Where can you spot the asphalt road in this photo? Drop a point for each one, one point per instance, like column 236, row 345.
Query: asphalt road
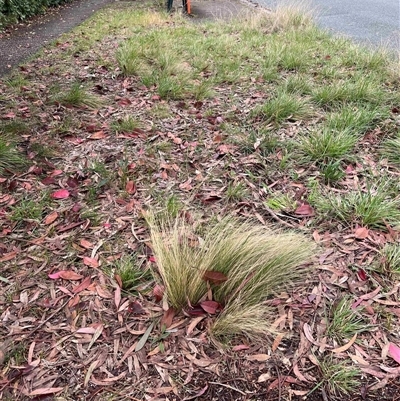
column 371, row 22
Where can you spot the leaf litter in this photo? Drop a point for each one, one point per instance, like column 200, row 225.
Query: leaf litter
column 71, row 331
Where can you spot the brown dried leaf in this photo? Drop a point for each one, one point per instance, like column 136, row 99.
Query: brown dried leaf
column 51, row 218
column 168, row 317
column 346, row 346
column 211, row 307
column 98, row 135
column 361, row 233
column 45, row 390
column 258, row 357
column 82, row 286
column 305, row 210
column 214, row 277
column 91, row 262
column 86, row 244
column 66, row 275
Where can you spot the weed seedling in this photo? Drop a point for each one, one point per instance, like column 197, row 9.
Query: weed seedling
column 344, row 321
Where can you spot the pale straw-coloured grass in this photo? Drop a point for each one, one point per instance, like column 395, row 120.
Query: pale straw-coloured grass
column 256, row 261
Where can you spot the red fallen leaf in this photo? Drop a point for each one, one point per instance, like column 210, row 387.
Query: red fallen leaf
column 168, row 317
column 66, row 275
column 98, row 135
column 361, row 233
column 158, row 292
column 51, row 218
column 135, row 308
column 214, row 277
column 240, row 347
column 68, row 227
column 55, row 173
column 107, row 225
column 86, row 244
column 349, row 169
column 305, row 210
column 82, row 286
column 118, row 279
column 316, row 236
column 152, row 259
column 211, row 306
column 226, row 149
column 124, row 101
column 91, row 262
column 8, row 256
column 75, row 140
column 211, row 199
column 12, row 185
column 48, row 181
column 92, row 128
column 195, row 310
column 394, row 352
column 130, row 187
column 45, row 390
column 76, row 207
column 60, row 194
column 362, row 275
column 36, row 170
column 72, row 182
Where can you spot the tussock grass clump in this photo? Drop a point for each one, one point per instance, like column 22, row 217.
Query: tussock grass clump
column 374, row 206
column 390, row 149
column 283, row 107
column 344, row 321
column 338, row 378
column 257, row 263
column 327, row 144
column 293, row 15
column 10, row 158
column 77, row 96
column 390, row 260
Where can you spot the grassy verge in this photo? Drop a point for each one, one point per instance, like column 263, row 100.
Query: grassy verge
column 265, row 118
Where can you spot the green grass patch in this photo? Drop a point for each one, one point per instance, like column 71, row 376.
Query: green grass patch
column 374, row 206
column 77, row 96
column 11, row 160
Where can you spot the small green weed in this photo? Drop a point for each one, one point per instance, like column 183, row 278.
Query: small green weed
column 77, row 96
column 279, row 201
column 10, row 158
column 338, row 378
column 235, row 192
column 126, row 124
column 355, row 120
column 344, row 321
column 390, row 260
column 332, row 172
column 131, row 273
column 27, row 210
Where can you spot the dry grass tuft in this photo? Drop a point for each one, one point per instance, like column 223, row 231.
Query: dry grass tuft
column 256, row 261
